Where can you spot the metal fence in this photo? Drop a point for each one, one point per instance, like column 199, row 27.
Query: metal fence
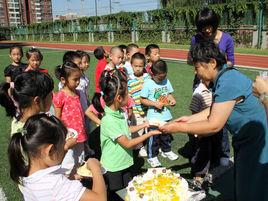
column 246, row 20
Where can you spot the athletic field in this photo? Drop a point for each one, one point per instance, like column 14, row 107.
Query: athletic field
column 180, row 76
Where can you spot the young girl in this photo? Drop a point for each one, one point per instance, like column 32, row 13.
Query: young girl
column 116, row 143
column 16, row 67
column 35, row 155
column 30, row 94
column 69, row 109
column 84, row 80
column 35, row 58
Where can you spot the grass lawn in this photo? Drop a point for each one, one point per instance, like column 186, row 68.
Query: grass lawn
column 180, row 75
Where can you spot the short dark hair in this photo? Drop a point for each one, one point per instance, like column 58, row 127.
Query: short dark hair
column 123, row 47
column 159, row 66
column 148, row 49
column 131, row 46
column 138, row 55
column 70, row 56
column 99, row 52
column 207, row 17
column 205, row 51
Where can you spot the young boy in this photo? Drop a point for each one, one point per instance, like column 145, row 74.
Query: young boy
column 135, row 83
column 156, row 94
column 131, row 50
column 116, row 58
column 152, row 53
column 124, row 48
column 101, row 55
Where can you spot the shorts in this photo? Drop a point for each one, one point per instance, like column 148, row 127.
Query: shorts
column 118, row 180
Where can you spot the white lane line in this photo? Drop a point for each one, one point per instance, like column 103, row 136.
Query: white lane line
column 2, row 195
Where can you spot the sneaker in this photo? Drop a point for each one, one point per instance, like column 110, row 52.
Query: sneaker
column 154, row 162
column 143, row 152
column 170, row 155
column 224, row 161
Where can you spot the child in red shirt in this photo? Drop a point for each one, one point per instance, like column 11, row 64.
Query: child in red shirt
column 101, row 55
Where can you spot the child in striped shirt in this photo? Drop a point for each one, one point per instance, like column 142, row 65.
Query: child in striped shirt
column 207, row 147
column 135, row 83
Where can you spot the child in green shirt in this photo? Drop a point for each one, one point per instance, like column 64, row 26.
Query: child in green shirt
column 116, row 142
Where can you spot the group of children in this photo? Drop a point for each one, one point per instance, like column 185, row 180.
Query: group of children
column 128, row 94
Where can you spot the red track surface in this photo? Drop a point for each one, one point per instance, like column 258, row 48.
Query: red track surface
column 240, row 59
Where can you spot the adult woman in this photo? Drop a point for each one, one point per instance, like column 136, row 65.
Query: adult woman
column 236, row 106
column 207, row 22
column 260, row 89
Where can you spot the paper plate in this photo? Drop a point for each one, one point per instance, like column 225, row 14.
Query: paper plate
column 71, row 133
column 84, row 172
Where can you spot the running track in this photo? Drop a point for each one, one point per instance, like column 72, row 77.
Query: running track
column 243, row 60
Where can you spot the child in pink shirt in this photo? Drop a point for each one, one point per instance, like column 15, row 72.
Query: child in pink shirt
column 68, row 108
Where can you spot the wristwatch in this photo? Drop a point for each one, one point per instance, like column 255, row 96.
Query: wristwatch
column 263, row 97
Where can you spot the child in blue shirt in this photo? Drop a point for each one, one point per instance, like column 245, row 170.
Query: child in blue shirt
column 156, row 94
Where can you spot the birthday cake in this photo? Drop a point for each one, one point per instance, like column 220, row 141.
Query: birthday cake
column 158, row 184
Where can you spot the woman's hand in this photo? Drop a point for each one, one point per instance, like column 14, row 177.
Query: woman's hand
column 259, row 86
column 182, row 119
column 170, row 127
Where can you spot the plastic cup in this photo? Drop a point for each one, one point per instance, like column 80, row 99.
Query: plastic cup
column 263, row 74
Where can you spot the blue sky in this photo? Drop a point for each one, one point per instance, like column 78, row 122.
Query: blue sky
column 87, row 7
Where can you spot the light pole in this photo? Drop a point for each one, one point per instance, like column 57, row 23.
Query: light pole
column 96, row 8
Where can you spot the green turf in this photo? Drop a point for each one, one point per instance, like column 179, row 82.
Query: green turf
column 180, row 75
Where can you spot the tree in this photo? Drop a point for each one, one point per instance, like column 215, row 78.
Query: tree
column 164, row 3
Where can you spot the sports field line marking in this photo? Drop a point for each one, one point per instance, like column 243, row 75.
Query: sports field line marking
column 2, row 195
column 60, row 50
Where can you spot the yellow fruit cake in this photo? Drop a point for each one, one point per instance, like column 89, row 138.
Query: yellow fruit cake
column 158, row 184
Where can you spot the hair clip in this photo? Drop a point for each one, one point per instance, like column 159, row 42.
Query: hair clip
column 12, row 85
column 101, row 93
column 23, row 132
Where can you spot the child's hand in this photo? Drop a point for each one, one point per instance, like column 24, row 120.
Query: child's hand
column 155, row 132
column 172, row 102
column 93, row 165
column 159, row 105
column 69, row 143
column 146, row 124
